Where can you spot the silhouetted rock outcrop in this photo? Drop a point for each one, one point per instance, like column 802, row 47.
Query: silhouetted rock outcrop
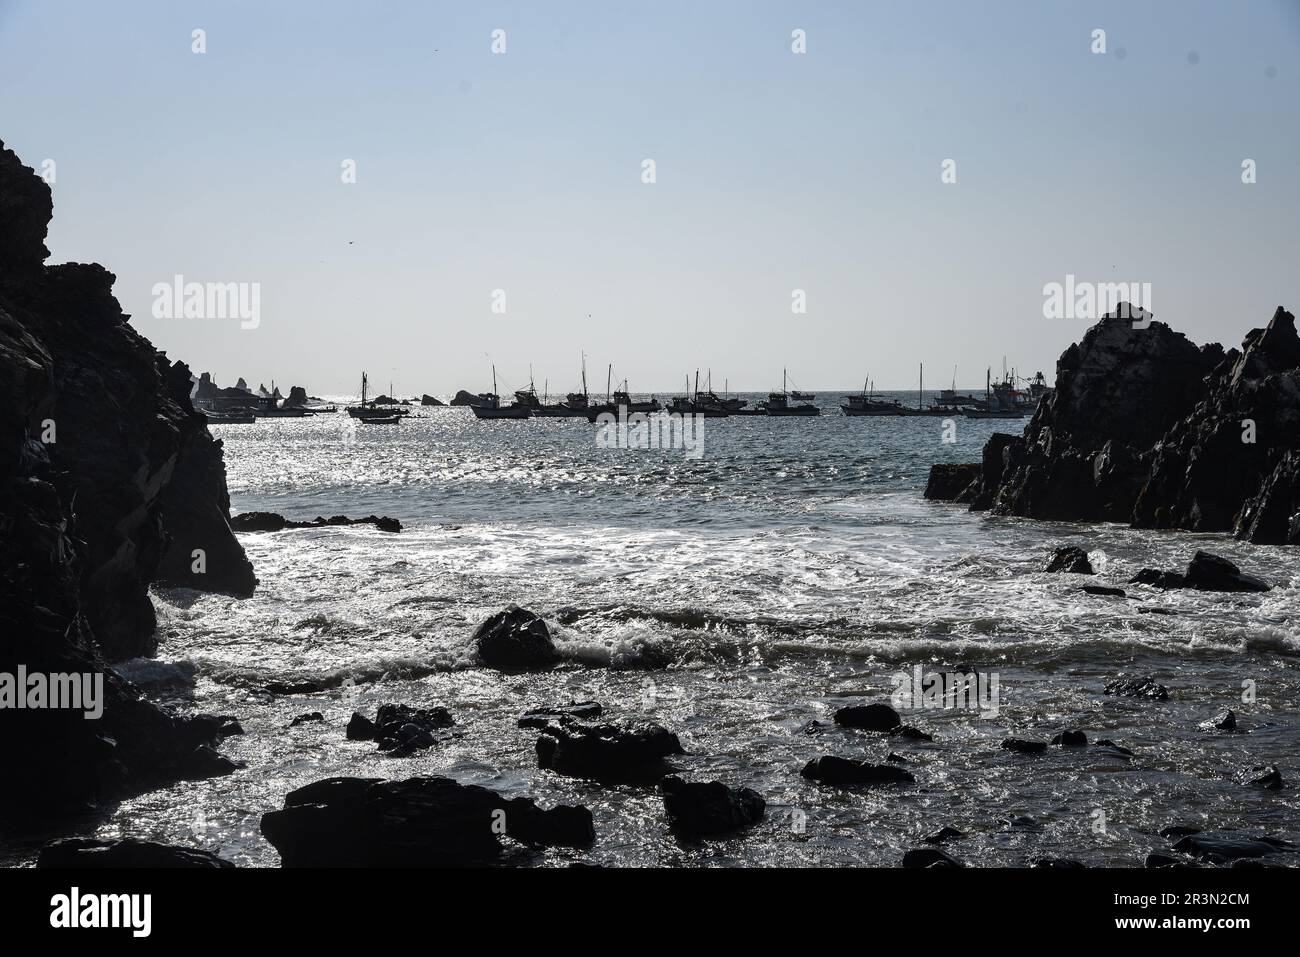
column 419, row 822
column 427, row 399
column 275, row 522
column 514, row 640
column 80, row 853
column 297, row 397
column 466, row 398
column 613, row 751
column 1070, row 558
column 698, row 809
column 1143, row 427
column 96, row 434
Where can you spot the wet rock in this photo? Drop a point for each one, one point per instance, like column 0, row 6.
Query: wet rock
column 1070, row 558
column 999, row 451
column 1145, row 686
column 1265, row 776
column 1208, row 572
column 1272, row 515
column 541, row 717
column 419, row 822
column 842, row 771
column 311, row 716
column 1071, row 738
column 205, row 762
column 1104, row 591
column 947, row 481
column 895, row 758
column 811, row 728
column 82, row 853
column 1178, row 830
column 514, row 641
column 1157, row 859
column 214, row 727
column 909, row 733
column 944, row 834
column 1158, row 579
column 923, row 857
column 699, row 809
column 360, row 728
column 274, row 522
column 614, row 751
column 868, row 717
column 1107, row 744
column 1021, row 746
column 1223, row 721
column 1230, row 845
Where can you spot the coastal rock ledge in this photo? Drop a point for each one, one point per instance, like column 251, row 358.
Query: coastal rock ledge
column 109, row 482
column 1146, row 428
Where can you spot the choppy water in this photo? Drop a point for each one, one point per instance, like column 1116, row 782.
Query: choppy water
column 792, row 569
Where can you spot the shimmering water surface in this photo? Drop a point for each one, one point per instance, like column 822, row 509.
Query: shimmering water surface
column 791, row 570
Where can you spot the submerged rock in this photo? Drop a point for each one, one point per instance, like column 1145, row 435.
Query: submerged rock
column 923, row 857
column 81, row 853
column 1104, row 591
column 309, row 718
column 699, row 809
column 1140, row 687
column 1071, row 738
column 842, row 771
column 419, row 822
column 1223, row 721
column 514, row 641
column 1266, row 776
column 614, row 751
column 1072, row 559
column 400, row 730
column 944, row 834
column 541, row 717
column 869, row 717
column 274, row 522
column 948, row 481
column 1021, row 746
column 1230, row 845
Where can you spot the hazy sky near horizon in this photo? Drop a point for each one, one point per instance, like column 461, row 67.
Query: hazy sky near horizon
column 775, row 171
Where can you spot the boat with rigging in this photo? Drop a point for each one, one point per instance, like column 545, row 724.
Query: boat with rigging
column 778, row 403
column 490, row 406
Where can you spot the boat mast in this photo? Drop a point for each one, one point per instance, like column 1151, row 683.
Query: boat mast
column 494, row 379
column 363, row 388
column 920, row 388
column 584, row 375
column 609, row 378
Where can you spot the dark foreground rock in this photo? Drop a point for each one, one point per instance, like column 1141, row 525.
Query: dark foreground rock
column 1070, row 558
column 79, row 853
column 1103, row 591
column 923, row 857
column 1266, row 776
column 1144, row 427
column 541, row 717
column 833, row 770
column 615, row 751
column 1071, row 738
column 1144, row 686
column 947, row 482
column 400, row 730
column 97, row 436
column 869, row 717
column 419, row 822
column 274, row 522
column 1230, row 845
column 514, row 641
column 1205, row 572
column 1021, row 746
column 698, row 809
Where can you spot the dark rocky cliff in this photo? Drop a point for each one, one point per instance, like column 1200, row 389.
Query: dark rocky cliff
column 110, row 481
column 1146, row 428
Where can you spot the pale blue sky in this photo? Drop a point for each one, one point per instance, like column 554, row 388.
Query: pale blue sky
column 775, row 171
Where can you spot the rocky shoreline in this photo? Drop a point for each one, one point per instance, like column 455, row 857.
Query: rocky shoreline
column 1145, row 428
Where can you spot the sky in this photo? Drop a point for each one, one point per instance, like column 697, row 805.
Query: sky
column 523, row 172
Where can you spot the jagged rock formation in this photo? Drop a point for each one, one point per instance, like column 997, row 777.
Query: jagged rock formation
column 1144, row 427
column 96, row 436
column 297, row 397
column 427, row 399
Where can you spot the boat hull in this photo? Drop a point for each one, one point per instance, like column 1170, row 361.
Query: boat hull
column 509, row 412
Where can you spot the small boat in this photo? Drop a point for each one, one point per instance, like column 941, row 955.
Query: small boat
column 369, row 410
column 865, row 404
column 778, row 403
column 802, row 396
column 380, row 419
column 491, row 407
column 1001, row 401
column 695, row 402
column 575, row 404
column 230, row 418
column 620, row 402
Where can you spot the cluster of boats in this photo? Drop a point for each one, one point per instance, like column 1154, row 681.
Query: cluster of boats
column 1002, row 400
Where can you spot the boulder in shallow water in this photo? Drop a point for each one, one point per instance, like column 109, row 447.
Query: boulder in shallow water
column 1230, row 845
column 833, row 770
column 81, row 853
column 1103, row 591
column 943, row 835
column 1223, row 721
column 401, row 730
column 541, row 717
column 947, row 480
column 924, row 857
column 1137, row 687
column 613, row 751
column 868, row 717
column 1071, row 738
column 701, row 808
column 419, row 822
column 515, row 641
column 1021, row 746
column 1266, row 776
column 1208, row 572
column 1070, row 558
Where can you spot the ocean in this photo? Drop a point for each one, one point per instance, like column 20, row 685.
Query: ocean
column 793, row 568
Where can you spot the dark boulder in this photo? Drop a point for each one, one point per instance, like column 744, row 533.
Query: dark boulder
column 308, row 718
column 1266, row 776
column 698, row 809
column 84, row 853
column 297, row 398
column 909, row 733
column 274, row 522
column 923, row 857
column 947, row 481
column 419, row 822
column 1103, row 591
column 401, row 730
column 868, row 717
column 1158, row 579
column 1230, row 845
column 1223, row 721
column 1143, row 686
column 1021, row 746
column 514, row 641
column 829, row 769
column 614, row 751
column 1208, row 572
column 1071, row 738
column 427, row 399
column 1070, row 558
column 943, row 835
column 360, row 728
column 466, row 398
column 541, row 717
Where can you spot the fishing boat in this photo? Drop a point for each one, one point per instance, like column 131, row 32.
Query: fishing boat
column 368, row 410
column 802, row 396
column 620, row 401
column 230, row 418
column 695, row 402
column 778, row 403
column 380, row 419
column 490, row 406
column 1001, row 401
column 867, row 404
column 575, row 403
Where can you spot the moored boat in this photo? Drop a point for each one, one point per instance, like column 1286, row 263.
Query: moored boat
column 778, row 403
column 491, row 408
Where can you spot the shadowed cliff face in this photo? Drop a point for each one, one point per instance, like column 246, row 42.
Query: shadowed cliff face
column 101, row 457
column 1143, row 427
